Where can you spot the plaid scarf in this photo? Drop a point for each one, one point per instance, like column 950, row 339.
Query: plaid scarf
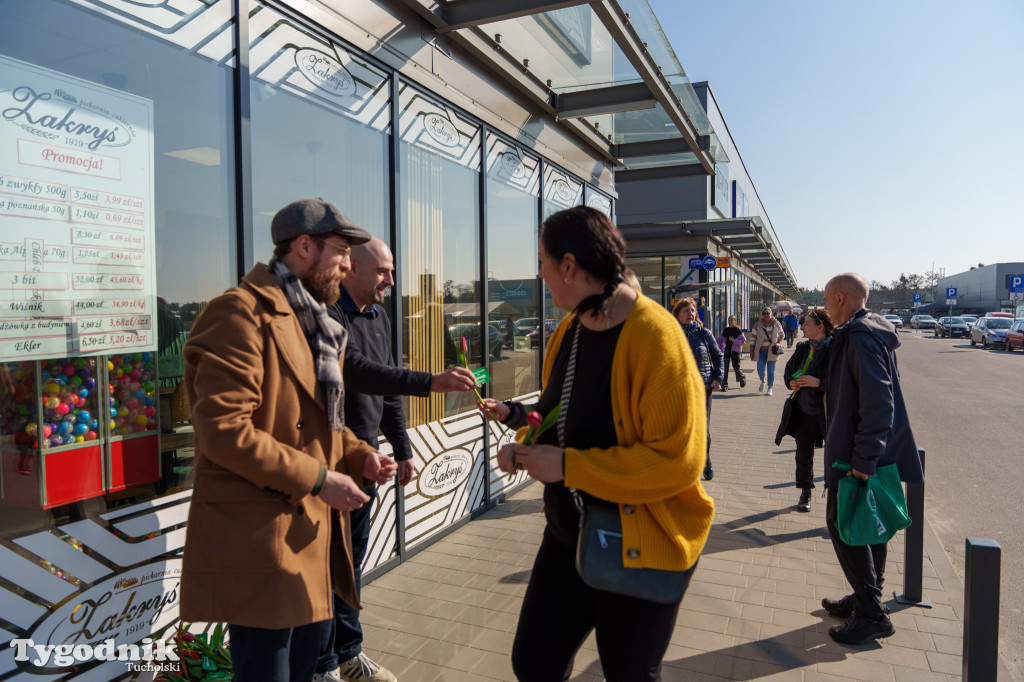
column 326, row 337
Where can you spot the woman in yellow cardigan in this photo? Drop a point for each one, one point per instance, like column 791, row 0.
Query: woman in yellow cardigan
column 634, row 432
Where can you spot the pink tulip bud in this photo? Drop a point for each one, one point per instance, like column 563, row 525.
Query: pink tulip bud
column 534, row 420
column 463, row 345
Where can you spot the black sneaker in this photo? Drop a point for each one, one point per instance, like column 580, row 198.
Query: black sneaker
column 804, row 504
column 861, row 630
column 840, row 608
column 743, row 383
column 709, row 472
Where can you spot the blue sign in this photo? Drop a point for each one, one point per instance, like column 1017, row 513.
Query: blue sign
column 710, row 262
column 950, row 292
column 917, row 298
column 696, row 263
column 1016, row 283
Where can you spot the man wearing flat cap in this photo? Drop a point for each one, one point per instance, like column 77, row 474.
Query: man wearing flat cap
column 264, row 546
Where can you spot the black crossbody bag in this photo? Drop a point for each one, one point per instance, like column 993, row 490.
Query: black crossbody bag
column 599, row 553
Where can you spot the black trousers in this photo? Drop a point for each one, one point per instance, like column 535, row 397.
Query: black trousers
column 806, row 430
column 708, row 392
column 734, row 358
column 559, row 611
column 864, row 566
column 282, row 655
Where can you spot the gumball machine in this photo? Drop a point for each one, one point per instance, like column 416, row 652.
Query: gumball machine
column 52, row 447
column 132, row 421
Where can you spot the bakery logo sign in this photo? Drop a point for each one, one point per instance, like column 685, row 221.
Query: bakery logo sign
column 77, row 122
column 444, row 473
column 108, row 619
column 441, row 130
column 512, row 166
column 325, row 73
column 562, row 191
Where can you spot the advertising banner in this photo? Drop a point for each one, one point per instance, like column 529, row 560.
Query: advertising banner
column 77, row 265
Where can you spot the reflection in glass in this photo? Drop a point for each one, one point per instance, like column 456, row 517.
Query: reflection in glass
column 309, row 140
column 440, row 264
column 195, row 249
column 513, row 285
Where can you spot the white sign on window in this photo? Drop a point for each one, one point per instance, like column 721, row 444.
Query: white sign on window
column 76, row 209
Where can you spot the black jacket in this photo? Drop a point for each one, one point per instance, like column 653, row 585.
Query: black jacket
column 374, row 386
column 867, row 418
column 808, row 400
column 707, row 354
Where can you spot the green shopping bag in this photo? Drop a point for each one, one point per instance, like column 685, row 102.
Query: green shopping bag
column 870, row 512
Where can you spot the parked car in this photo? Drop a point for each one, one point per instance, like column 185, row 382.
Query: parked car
column 1015, row 336
column 951, row 327
column 471, row 330
column 1000, row 314
column 969, row 320
column 549, row 326
column 922, row 322
column 895, row 319
column 990, row 331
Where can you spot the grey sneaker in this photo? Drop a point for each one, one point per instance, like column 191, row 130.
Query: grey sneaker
column 363, row 669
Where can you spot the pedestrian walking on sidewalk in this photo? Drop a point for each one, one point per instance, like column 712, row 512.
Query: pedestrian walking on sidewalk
column 804, row 414
column 730, row 342
column 790, row 323
column 709, row 362
column 631, row 432
column 766, row 348
column 868, row 428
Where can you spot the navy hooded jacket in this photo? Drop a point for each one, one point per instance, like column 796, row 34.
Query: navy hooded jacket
column 867, row 418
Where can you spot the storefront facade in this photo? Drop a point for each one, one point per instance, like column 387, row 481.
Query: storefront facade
column 144, row 149
column 990, row 288
column 675, row 217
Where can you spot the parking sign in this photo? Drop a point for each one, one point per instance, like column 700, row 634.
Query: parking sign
column 917, row 298
column 950, row 292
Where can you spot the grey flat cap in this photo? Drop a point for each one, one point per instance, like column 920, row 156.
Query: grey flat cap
column 315, row 217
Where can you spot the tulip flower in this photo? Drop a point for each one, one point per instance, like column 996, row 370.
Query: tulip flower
column 536, row 424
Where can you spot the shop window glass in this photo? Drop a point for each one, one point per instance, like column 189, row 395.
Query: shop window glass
column 648, row 271
column 513, row 190
column 320, row 125
column 140, row 222
column 439, row 248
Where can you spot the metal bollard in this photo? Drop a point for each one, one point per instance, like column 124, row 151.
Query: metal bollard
column 913, row 566
column 981, row 610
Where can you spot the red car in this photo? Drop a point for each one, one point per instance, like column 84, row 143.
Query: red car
column 1015, row 336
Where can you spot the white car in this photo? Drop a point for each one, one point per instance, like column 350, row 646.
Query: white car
column 896, row 321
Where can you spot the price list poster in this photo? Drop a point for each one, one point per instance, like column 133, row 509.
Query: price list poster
column 77, row 260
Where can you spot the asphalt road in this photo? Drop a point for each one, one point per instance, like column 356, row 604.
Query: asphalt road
column 966, row 407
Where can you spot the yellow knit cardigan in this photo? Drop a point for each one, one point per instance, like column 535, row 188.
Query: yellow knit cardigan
column 661, row 426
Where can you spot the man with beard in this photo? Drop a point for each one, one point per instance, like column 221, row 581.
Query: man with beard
column 373, row 401
column 273, row 457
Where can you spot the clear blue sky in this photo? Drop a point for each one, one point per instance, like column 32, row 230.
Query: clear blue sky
column 881, row 137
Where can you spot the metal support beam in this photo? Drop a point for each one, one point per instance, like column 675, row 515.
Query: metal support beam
column 659, row 173
column 609, row 100
column 980, row 659
column 626, row 37
column 675, row 145
column 469, row 13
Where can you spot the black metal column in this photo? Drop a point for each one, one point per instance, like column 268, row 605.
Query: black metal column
column 244, row 251
column 981, row 610
column 913, row 567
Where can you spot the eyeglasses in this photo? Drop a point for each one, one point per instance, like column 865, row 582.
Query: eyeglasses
column 766, row 314
column 343, row 251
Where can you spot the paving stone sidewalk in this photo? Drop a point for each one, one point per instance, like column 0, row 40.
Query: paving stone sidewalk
column 753, row 608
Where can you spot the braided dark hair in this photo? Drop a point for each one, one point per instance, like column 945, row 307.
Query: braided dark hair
column 598, row 246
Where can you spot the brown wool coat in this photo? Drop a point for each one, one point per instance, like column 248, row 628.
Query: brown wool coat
column 260, row 550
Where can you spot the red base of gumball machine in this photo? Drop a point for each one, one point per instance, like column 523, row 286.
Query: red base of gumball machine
column 134, row 461
column 53, row 477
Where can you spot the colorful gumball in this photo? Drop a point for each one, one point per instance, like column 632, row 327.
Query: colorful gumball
column 81, row 429
column 61, row 409
column 91, row 435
